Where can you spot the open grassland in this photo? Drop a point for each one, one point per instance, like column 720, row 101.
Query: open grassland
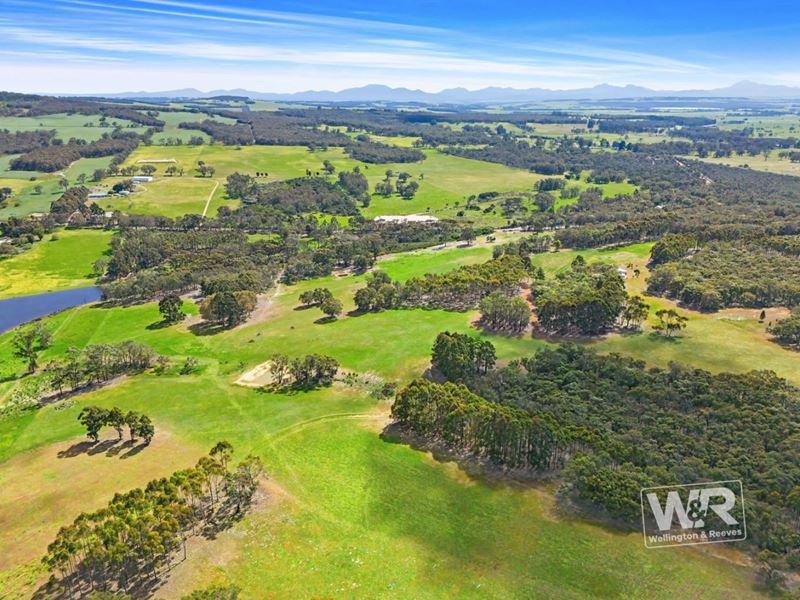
column 53, row 264
column 786, row 125
column 359, row 516
column 772, row 163
column 446, row 180
column 68, row 126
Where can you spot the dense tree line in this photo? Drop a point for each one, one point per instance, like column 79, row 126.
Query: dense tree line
column 300, row 195
column 373, row 152
column 24, row 141
column 98, row 363
column 138, row 533
column 58, row 156
column 461, row 289
column 722, row 274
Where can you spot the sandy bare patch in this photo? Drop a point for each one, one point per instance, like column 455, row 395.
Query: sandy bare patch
column 752, row 314
column 156, row 160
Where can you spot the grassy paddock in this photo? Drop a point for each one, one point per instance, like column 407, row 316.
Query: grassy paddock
column 54, row 264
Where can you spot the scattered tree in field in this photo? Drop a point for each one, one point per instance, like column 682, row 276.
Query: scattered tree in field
column 37, row 189
column 148, row 170
column 279, row 367
column 63, row 183
column 170, row 308
column 81, row 179
column 98, row 175
column 328, row 167
column 315, row 297
column 331, row 307
column 669, row 322
column 28, row 342
column 93, row 418
column 634, row 312
column 171, row 170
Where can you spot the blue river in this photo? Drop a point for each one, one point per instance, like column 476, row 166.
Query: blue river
column 22, row 309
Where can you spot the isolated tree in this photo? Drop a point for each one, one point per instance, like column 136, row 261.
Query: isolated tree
column 28, row 342
column 81, row 179
column 669, row 322
column 63, row 183
column 328, row 167
column 148, row 170
column 37, row 189
column 170, row 308
column 331, row 307
column 98, row 174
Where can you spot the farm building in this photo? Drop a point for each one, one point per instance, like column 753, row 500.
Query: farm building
column 141, row 179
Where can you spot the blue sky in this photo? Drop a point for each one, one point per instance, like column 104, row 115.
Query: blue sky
column 88, row 46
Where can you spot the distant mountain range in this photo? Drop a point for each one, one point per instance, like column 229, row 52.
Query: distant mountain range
column 382, row 93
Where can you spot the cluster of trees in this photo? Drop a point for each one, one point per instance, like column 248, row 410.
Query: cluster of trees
column 721, row 274
column 305, row 372
column 228, row 309
column 301, row 195
column 72, row 206
column 94, row 418
column 98, row 363
column 503, row 313
column 461, row 289
column 459, row 356
column 28, row 342
column 787, row 331
column 405, row 186
column 137, row 534
column 587, row 299
column 323, row 298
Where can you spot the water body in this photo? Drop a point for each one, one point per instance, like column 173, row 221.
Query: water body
column 16, row 311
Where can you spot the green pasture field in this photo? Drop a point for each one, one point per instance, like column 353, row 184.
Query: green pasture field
column 25, row 199
column 353, row 515
column 53, row 264
column 773, row 163
column 349, row 514
column 787, row 125
column 448, row 180
column 68, row 126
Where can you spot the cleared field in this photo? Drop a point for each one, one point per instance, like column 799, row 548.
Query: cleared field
column 59, row 264
column 773, row 163
column 68, row 126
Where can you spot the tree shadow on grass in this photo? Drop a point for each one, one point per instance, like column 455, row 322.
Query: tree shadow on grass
column 158, row 325
column 663, row 338
column 205, row 328
column 325, row 319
